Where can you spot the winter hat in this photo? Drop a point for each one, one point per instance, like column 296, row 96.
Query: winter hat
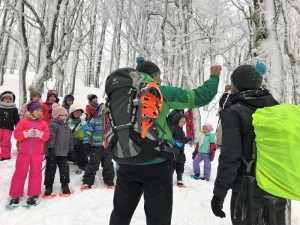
column 52, row 92
column 147, row 67
column 8, row 94
column 76, row 106
column 58, row 110
column 90, row 97
column 209, row 127
column 248, row 77
column 34, row 92
column 34, row 106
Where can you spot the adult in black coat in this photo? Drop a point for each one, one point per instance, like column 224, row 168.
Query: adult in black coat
column 237, row 146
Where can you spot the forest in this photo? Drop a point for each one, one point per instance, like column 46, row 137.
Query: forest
column 65, row 40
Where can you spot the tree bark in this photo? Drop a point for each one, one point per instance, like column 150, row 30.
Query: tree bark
column 25, row 55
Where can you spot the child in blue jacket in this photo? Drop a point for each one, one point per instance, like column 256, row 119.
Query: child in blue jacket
column 93, row 146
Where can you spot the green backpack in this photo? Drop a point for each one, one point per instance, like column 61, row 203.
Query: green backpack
column 277, row 131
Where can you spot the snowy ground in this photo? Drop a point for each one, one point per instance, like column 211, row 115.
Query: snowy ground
column 191, row 205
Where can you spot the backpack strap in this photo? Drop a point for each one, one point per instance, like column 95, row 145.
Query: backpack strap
column 249, row 165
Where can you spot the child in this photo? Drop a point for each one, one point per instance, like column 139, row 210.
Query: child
column 67, row 102
column 58, row 146
column 32, row 133
column 35, row 96
column 78, row 124
column 206, row 138
column 52, row 97
column 8, row 119
column 179, row 140
column 92, row 108
column 189, row 126
column 93, row 145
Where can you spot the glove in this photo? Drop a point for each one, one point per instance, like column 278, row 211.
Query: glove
column 31, row 132
column 215, row 70
column 83, row 118
column 51, row 152
column 87, row 148
column 26, row 134
column 216, row 207
column 38, row 133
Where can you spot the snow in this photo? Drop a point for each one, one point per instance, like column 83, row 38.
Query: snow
column 191, row 205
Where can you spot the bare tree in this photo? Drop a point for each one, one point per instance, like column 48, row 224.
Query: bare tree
column 25, row 54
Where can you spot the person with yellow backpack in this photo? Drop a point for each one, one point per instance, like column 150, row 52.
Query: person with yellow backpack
column 250, row 204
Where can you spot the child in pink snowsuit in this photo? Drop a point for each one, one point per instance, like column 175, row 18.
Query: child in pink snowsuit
column 31, row 133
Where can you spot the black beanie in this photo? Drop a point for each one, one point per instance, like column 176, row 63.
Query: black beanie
column 90, row 97
column 147, row 67
column 248, row 77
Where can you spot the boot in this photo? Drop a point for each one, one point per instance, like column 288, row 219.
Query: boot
column 65, row 189
column 14, row 201
column 32, row 200
column 48, row 190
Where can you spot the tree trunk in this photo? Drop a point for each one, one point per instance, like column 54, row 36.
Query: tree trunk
column 100, row 53
column 39, row 47
column 14, row 59
column 276, row 82
column 45, row 70
column 25, row 55
column 73, row 71
column 4, row 43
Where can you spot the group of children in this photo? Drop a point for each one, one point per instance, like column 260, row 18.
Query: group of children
column 62, row 133
column 72, row 133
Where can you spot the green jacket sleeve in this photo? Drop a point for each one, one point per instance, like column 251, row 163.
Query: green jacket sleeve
column 178, row 98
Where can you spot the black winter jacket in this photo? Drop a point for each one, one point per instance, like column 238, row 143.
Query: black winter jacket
column 177, row 132
column 9, row 116
column 238, row 136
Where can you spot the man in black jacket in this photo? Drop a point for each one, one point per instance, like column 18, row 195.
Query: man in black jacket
column 237, row 149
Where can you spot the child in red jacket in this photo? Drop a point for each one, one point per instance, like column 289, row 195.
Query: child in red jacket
column 52, row 97
column 31, row 133
column 92, row 108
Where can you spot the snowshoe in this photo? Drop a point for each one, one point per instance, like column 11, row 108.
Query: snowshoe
column 65, row 191
column 195, row 177
column 110, row 185
column 32, row 201
column 180, row 184
column 86, row 187
column 13, row 203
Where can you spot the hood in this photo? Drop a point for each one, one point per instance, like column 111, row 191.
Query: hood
column 254, row 98
column 66, row 96
column 177, row 117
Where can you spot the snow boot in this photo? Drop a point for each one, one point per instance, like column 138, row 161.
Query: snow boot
column 14, row 201
column 32, row 200
column 65, row 189
column 48, row 190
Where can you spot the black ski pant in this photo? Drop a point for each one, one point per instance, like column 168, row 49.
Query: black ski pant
column 80, row 156
column 178, row 166
column 155, row 182
column 63, row 166
column 258, row 208
column 97, row 155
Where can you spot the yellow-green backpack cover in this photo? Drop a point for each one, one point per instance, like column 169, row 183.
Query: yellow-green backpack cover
column 277, row 131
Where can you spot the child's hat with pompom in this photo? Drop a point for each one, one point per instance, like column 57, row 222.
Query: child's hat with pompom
column 34, row 92
column 147, row 67
column 248, row 77
column 58, row 110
